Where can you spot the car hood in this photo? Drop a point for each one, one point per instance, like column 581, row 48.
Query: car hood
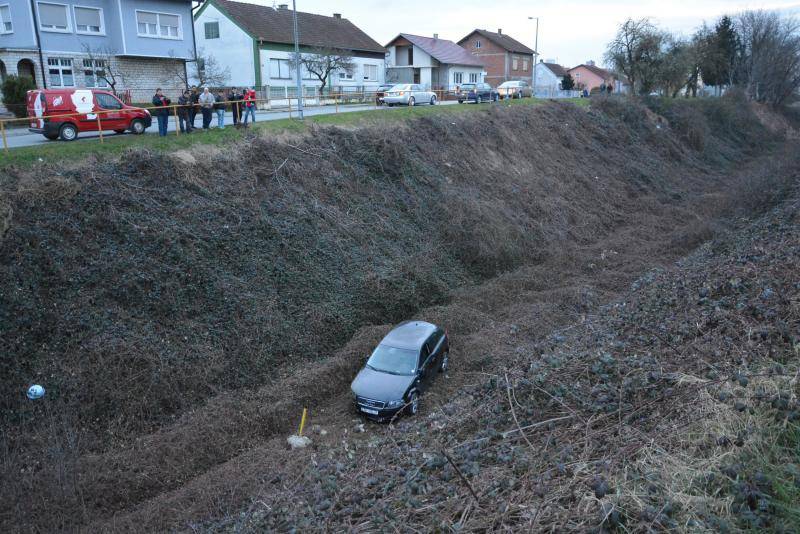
column 381, row 386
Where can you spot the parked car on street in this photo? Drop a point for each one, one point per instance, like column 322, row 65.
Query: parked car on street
column 477, row 92
column 64, row 113
column 400, row 369
column 380, row 93
column 514, row 89
column 409, row 94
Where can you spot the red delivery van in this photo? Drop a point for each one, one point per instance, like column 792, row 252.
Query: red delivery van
column 64, row 113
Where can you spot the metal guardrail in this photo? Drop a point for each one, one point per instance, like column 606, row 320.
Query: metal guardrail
column 274, row 105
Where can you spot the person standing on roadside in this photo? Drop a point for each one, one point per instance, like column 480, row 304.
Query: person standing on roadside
column 206, row 102
column 161, row 112
column 235, row 99
column 193, row 99
column 219, row 108
column 249, row 104
column 185, row 102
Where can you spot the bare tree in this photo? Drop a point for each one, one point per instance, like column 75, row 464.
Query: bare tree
column 321, row 62
column 102, row 63
column 201, row 69
column 635, row 52
column 768, row 65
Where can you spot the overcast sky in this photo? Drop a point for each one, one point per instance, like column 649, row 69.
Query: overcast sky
column 570, row 31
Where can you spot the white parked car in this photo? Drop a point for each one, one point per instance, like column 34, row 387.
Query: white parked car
column 514, row 89
column 408, row 94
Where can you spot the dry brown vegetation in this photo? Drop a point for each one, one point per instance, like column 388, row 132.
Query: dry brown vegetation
column 174, row 308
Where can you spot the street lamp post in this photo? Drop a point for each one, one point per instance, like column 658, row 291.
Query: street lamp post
column 297, row 57
column 535, row 53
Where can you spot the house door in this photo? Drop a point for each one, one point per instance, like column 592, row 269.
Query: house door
column 416, row 75
column 25, row 68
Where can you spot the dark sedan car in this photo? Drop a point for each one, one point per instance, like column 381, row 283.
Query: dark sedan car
column 400, row 368
column 477, row 92
column 380, row 92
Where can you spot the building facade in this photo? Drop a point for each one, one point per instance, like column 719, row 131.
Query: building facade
column 503, row 57
column 591, row 78
column 57, row 44
column 549, row 75
column 436, row 64
column 255, row 44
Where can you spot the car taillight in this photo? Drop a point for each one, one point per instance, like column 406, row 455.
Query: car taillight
column 402, row 93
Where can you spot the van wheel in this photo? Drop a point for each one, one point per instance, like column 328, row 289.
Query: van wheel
column 68, row 132
column 137, row 127
column 120, row 132
column 51, row 137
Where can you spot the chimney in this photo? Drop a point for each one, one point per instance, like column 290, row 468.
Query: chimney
column 435, row 35
column 283, row 6
column 500, row 31
column 337, row 15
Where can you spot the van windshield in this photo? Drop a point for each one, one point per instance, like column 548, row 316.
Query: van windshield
column 392, row 360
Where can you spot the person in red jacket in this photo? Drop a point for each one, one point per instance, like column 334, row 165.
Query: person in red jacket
column 249, row 105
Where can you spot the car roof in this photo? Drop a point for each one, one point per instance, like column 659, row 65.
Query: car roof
column 409, row 335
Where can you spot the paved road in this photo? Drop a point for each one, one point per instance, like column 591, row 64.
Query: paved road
column 22, row 137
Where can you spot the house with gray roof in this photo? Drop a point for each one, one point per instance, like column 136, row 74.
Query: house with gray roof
column 255, row 43
column 549, row 75
column 504, row 57
column 431, row 62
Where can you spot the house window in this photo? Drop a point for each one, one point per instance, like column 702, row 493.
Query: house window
column 60, row 72
column 458, row 77
column 5, row 19
column 525, row 65
column 370, row 73
column 473, row 77
column 53, row 17
column 88, row 20
column 514, row 62
column 478, row 43
column 158, row 25
column 212, row 30
column 94, row 73
column 279, row 68
column 345, row 75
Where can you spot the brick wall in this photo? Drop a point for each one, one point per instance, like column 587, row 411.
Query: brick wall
column 497, row 60
column 140, row 75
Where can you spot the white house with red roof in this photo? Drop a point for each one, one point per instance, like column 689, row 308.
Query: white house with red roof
column 431, row 62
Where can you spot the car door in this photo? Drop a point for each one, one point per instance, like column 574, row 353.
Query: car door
column 113, row 118
column 424, row 366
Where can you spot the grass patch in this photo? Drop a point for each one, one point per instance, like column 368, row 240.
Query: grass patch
column 56, row 152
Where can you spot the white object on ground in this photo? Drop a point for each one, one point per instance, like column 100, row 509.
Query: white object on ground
column 298, row 442
column 35, row 392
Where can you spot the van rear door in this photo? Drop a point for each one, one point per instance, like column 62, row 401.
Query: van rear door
column 36, row 107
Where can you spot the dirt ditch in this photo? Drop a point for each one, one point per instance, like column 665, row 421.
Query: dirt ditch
column 181, row 313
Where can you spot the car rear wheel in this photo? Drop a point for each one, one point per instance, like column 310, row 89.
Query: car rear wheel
column 68, row 132
column 137, row 127
column 411, row 101
column 433, row 100
column 445, row 362
column 413, row 404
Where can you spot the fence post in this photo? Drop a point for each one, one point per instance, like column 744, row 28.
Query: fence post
column 99, row 128
column 336, row 101
column 3, row 132
column 177, row 122
column 290, row 108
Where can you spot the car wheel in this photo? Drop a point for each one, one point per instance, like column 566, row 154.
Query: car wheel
column 411, row 101
column 68, row 132
column 413, row 403
column 478, row 100
column 120, row 132
column 445, row 362
column 137, row 127
column 433, row 100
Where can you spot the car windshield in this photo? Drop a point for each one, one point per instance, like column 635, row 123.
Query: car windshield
column 468, row 86
column 509, row 84
column 401, row 87
column 392, row 360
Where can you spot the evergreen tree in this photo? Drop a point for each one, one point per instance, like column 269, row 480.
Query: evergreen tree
column 567, row 83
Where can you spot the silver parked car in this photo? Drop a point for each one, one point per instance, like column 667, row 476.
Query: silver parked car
column 408, row 94
column 514, row 89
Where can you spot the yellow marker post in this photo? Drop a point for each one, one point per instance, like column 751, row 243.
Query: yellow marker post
column 3, row 132
column 303, row 422
column 99, row 128
column 177, row 122
column 290, row 107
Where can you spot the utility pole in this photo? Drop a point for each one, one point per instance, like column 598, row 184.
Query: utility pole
column 535, row 53
column 299, row 64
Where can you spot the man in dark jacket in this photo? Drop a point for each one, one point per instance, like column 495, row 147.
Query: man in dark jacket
column 194, row 99
column 183, row 112
column 235, row 99
column 161, row 112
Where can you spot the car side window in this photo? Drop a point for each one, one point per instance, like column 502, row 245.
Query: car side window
column 107, row 101
column 423, row 355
